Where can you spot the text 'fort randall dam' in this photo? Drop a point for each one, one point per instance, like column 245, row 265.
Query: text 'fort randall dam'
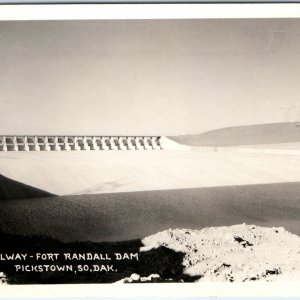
column 79, row 143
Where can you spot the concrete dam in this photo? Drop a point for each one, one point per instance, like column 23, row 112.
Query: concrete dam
column 80, row 143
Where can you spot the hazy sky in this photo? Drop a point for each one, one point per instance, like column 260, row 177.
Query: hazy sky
column 146, row 77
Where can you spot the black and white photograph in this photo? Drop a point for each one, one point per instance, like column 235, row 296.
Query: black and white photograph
column 149, row 151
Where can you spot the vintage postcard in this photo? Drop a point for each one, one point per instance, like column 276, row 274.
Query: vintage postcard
column 149, row 150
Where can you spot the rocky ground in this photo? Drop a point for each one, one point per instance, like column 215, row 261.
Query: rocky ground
column 235, row 253
column 2, row 278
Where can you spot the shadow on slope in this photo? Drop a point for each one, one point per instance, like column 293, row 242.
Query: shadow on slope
column 11, row 189
column 274, row 133
column 127, row 216
column 162, row 261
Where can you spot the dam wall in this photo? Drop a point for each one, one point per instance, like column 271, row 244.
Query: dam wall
column 79, row 143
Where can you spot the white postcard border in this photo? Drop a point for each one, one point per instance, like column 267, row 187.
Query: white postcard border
column 148, row 11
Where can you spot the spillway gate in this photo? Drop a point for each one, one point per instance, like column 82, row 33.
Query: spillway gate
column 79, row 143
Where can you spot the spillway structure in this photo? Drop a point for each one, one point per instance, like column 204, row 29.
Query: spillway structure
column 79, row 143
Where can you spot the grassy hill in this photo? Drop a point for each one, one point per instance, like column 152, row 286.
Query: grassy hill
column 274, row 133
column 128, row 216
column 11, row 189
